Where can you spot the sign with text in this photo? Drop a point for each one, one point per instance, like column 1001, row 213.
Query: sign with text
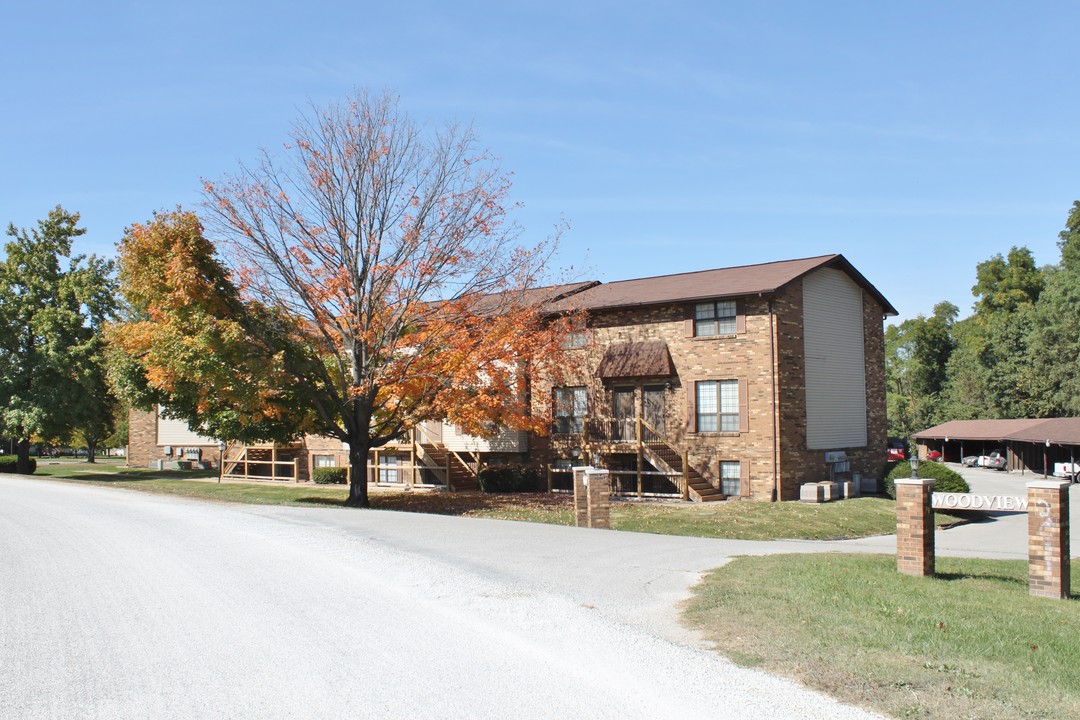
column 970, row 501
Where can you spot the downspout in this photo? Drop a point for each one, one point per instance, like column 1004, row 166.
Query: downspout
column 776, row 495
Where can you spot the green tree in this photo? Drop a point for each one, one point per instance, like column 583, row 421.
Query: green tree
column 964, row 395
column 989, row 374
column 1003, row 285
column 917, row 352
column 53, row 306
column 1055, row 336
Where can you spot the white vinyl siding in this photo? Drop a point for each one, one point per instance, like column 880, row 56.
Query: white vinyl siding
column 506, row 440
column 177, row 433
column 835, row 362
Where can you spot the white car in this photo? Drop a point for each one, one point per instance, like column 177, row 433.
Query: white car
column 996, row 460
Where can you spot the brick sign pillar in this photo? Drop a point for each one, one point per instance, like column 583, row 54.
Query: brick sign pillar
column 581, row 498
column 1048, row 539
column 592, row 498
column 599, row 482
column 914, row 527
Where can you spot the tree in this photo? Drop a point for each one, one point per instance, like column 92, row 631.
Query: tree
column 916, row 354
column 1003, row 285
column 190, row 343
column 374, row 264
column 989, row 374
column 1055, row 337
column 53, row 313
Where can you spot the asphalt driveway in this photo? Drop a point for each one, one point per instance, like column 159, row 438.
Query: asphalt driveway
column 119, row 604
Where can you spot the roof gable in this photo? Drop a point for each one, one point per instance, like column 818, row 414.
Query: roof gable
column 765, row 278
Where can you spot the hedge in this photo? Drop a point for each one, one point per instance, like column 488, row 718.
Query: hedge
column 946, row 479
column 509, row 479
column 9, row 462
column 330, row 475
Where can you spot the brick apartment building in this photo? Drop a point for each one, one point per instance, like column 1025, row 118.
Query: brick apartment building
column 737, row 382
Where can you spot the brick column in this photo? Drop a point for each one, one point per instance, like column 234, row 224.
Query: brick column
column 914, row 527
column 599, row 494
column 1048, row 539
column 581, row 498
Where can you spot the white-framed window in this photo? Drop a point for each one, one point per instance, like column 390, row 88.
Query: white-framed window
column 571, row 404
column 717, row 406
column 714, row 318
column 389, row 468
column 321, row 461
column 731, row 477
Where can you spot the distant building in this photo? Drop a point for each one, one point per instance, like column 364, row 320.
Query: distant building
column 1030, row 445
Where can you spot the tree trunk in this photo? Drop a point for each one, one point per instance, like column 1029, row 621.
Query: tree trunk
column 91, row 450
column 358, row 471
column 22, row 450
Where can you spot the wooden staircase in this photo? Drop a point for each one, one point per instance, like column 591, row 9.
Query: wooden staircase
column 667, row 459
column 439, row 459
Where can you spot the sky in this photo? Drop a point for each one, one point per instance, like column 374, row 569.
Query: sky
column 917, row 139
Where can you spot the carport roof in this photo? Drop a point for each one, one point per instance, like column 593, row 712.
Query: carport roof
column 1056, row 431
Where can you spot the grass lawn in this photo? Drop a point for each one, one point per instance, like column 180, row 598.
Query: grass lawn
column 734, row 520
column 970, row 643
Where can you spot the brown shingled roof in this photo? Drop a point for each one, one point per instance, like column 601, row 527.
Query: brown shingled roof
column 636, row 359
column 1059, row 431
column 540, row 296
column 723, row 282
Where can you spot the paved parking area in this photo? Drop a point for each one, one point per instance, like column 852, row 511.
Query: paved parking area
column 997, row 535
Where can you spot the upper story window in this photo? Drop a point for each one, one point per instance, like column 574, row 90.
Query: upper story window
column 717, row 406
column 715, row 318
column 571, row 404
column 575, row 339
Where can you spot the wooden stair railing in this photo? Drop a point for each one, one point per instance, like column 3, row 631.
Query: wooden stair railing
column 458, row 474
column 668, row 458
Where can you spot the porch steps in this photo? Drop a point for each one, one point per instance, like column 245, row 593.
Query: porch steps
column 666, row 459
column 461, row 477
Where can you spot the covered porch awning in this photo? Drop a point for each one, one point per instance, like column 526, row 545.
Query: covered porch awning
column 648, row 358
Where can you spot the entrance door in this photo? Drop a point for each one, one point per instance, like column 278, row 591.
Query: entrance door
column 653, row 402
column 622, row 401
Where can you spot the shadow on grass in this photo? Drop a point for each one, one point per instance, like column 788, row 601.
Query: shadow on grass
column 131, row 476
column 331, row 502
column 952, row 577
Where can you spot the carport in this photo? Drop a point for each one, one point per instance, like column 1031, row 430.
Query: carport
column 1031, row 445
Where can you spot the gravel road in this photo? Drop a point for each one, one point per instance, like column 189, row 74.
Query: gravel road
column 119, row 604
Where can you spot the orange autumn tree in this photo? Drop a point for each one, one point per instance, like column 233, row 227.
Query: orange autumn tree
column 385, row 251
column 192, row 345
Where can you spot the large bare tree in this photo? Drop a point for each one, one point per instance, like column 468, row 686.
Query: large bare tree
column 383, row 254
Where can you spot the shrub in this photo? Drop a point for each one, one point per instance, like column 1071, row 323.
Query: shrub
column 330, row 475
column 947, row 479
column 509, row 479
column 9, row 462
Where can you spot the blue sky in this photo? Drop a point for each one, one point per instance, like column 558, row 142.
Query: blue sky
column 915, row 138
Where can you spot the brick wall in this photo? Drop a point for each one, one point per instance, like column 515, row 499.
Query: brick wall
column 143, row 447
column 772, row 378
column 142, row 438
column 914, row 527
column 1049, row 566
